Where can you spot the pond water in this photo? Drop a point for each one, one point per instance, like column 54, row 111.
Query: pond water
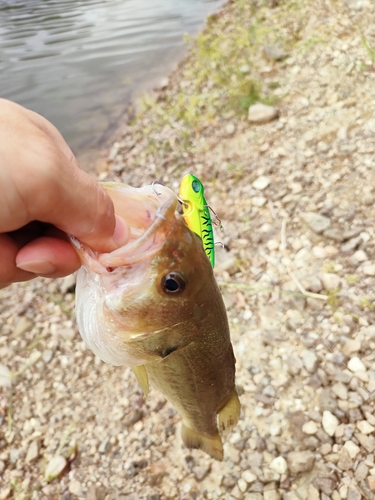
column 78, row 62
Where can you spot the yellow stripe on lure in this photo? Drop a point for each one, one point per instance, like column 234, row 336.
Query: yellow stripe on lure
column 196, row 213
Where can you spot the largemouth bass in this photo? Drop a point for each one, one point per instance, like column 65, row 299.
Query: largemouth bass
column 154, row 305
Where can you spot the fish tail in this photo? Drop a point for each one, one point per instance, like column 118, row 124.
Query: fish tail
column 209, row 444
column 229, row 414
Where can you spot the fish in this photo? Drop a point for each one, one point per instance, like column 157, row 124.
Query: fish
column 196, row 213
column 154, row 305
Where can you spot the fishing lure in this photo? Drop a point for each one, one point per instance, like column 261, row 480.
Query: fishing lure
column 196, row 213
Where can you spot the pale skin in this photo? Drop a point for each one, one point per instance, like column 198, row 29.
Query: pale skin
column 44, row 195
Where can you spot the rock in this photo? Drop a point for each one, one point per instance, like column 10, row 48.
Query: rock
column 230, row 129
column 352, row 449
column 54, row 467
column 356, row 365
column 104, row 446
column 23, row 326
column 351, row 245
column 310, row 427
column 157, row 471
column 300, row 461
column 316, row 222
column 312, row 284
column 67, row 333
column 242, row 485
column 312, row 493
column 330, row 281
column 5, row 376
column 294, row 364
column 329, row 422
column 274, row 53
column 5, row 493
column 364, row 427
column 340, row 390
column 351, row 347
column 368, row 442
column 95, row 493
column 75, row 487
column 353, row 493
column 279, row 465
column 361, row 472
column 248, row 476
column 345, row 462
column 371, row 482
column 309, row 360
column 258, row 201
column 261, row 182
column 201, row 472
column 325, row 484
column 33, row 451
column 261, row 113
column 369, row 269
column 271, row 495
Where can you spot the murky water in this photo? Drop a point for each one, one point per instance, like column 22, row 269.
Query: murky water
column 77, row 62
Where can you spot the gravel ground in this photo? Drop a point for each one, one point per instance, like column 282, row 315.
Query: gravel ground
column 295, row 193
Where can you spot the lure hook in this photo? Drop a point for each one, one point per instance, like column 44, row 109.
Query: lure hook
column 216, row 220
column 181, row 201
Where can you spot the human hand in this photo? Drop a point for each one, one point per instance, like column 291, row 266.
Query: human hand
column 43, row 195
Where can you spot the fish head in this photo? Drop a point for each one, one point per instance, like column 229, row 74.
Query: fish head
column 145, row 299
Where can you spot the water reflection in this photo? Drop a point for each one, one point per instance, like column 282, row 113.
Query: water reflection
column 78, row 61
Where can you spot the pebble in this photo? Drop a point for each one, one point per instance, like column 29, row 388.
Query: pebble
column 316, row 222
column 248, row 476
column 352, row 448
column 261, row 113
column 340, row 390
column 309, row 360
column 371, row 482
column 300, row 461
column 33, row 451
column 5, row 493
column 353, row 493
column 261, row 182
column 364, row 427
column 279, row 465
column 330, row 281
column 75, row 487
column 369, row 269
column 5, row 376
column 274, row 53
column 258, row 201
column 361, row 472
column 345, row 462
column 351, row 347
column 271, row 495
column 325, row 484
column 310, row 427
column 23, row 326
column 329, row 422
column 356, row 365
column 54, row 467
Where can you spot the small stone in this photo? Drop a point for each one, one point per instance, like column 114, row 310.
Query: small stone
column 334, row 234
column 329, row 422
column 23, row 326
column 312, row 284
column 369, row 269
column 47, row 355
column 158, row 470
column 310, row 427
column 242, row 485
column 104, row 446
column 261, row 113
column 33, row 451
column 67, row 333
column 230, row 129
column 352, row 448
column 271, row 495
column 310, row 360
column 200, row 472
column 261, row 182
column 361, row 472
column 75, row 487
column 345, row 462
column 351, row 245
column 360, row 256
column 371, row 482
column 54, row 467
column 312, row 493
column 5, row 376
column 163, row 84
column 279, row 465
column 353, row 493
column 274, row 53
column 5, row 493
column 330, row 281
column 248, row 476
column 294, row 364
column 317, row 223
column 325, row 484
column 300, row 461
column 237, row 493
column 356, row 365
column 95, row 493
column 258, row 201
column 351, row 347
column 340, row 390
column 364, row 427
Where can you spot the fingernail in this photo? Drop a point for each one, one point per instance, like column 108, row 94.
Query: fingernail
column 121, row 233
column 37, row 267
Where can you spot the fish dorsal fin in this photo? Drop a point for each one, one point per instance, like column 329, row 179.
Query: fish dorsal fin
column 229, row 414
column 142, row 377
column 209, row 444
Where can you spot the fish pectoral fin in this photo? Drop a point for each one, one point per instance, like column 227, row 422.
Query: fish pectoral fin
column 142, row 377
column 229, row 414
column 209, row 444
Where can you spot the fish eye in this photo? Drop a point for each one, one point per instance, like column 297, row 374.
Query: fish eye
column 196, row 186
column 173, row 283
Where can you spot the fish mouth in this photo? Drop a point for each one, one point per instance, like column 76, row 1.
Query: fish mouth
column 145, row 211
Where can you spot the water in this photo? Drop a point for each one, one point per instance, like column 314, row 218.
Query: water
column 77, row 62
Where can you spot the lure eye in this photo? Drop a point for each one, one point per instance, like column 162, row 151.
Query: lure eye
column 196, row 186
column 173, row 283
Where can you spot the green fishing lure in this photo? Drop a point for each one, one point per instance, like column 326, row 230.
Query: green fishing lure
column 196, row 213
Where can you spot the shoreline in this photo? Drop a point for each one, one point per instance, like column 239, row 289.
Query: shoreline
column 296, row 199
